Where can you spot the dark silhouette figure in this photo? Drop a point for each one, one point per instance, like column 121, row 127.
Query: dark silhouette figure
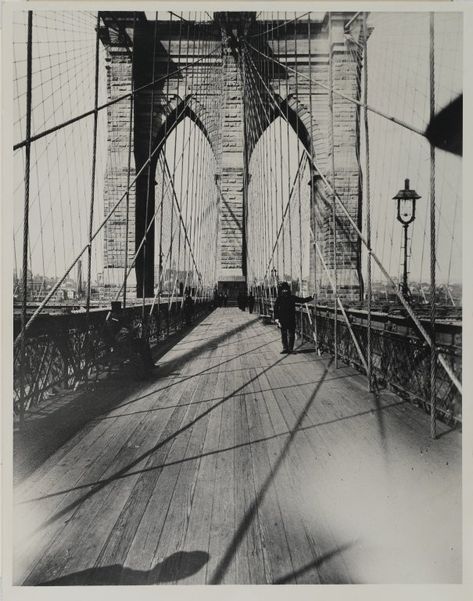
column 129, row 341
column 285, row 313
column 225, row 298
column 175, row 567
column 242, row 300
column 139, row 343
column 251, row 302
column 188, row 308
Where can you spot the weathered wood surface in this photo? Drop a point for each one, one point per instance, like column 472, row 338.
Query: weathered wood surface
column 236, row 464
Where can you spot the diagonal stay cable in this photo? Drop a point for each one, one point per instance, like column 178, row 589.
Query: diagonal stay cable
column 340, row 304
column 341, row 95
column 291, row 191
column 293, row 187
column 256, row 35
column 53, row 290
column 166, row 166
column 362, row 238
column 136, row 91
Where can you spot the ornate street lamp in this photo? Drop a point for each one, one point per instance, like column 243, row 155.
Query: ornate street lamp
column 406, row 213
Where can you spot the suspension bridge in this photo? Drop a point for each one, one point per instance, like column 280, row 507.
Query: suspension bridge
column 168, row 166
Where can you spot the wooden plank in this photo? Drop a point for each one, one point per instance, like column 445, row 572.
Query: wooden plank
column 145, row 542
column 141, row 549
column 266, row 503
column 175, row 563
column 250, row 563
column 288, row 487
column 125, row 529
column 222, row 524
column 305, row 451
column 143, row 426
column 228, row 455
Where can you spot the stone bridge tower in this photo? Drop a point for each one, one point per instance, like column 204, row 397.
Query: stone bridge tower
column 129, row 38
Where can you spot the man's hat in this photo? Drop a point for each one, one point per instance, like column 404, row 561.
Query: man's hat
column 285, row 286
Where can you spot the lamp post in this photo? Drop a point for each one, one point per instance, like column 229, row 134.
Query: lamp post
column 406, row 213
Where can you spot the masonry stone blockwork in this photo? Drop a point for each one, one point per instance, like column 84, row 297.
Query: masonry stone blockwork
column 307, row 48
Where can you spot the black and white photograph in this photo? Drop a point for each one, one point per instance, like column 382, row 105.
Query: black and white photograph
column 233, row 267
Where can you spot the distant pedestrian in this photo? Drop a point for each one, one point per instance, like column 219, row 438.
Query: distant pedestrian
column 188, row 307
column 242, row 300
column 225, row 298
column 129, row 341
column 285, row 314
column 251, row 302
column 140, row 344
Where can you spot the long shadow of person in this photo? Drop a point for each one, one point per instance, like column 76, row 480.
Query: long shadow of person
column 175, row 567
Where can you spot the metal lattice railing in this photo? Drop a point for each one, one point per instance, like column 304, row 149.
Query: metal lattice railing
column 400, row 357
column 65, row 351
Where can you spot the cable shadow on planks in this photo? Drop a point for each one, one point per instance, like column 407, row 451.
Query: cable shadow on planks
column 368, row 412
column 124, row 471
column 313, row 565
column 251, row 512
column 44, row 435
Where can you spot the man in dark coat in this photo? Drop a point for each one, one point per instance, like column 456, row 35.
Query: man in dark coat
column 285, row 313
column 242, row 300
column 188, row 307
column 251, row 302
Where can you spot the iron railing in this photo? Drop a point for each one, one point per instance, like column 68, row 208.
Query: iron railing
column 63, row 351
column 400, row 356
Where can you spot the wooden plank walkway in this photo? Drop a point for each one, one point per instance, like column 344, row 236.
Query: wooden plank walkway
column 236, row 464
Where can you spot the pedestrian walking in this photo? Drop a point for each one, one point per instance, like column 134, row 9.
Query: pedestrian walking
column 251, row 302
column 188, row 307
column 242, row 300
column 285, row 314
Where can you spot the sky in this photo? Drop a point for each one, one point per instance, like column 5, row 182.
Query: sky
column 398, row 56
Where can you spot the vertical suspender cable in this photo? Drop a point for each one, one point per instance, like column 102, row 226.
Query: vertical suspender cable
column 299, row 177
column 368, row 200
column 334, row 206
column 181, row 178
column 281, row 172
column 92, row 196
column 171, row 258
column 94, row 164
column 163, row 154
column 29, row 64
column 130, row 140
column 433, row 350
column 288, row 88
column 148, row 184
column 245, row 169
column 312, row 182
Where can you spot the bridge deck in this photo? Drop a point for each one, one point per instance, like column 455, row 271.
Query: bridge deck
column 236, row 464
